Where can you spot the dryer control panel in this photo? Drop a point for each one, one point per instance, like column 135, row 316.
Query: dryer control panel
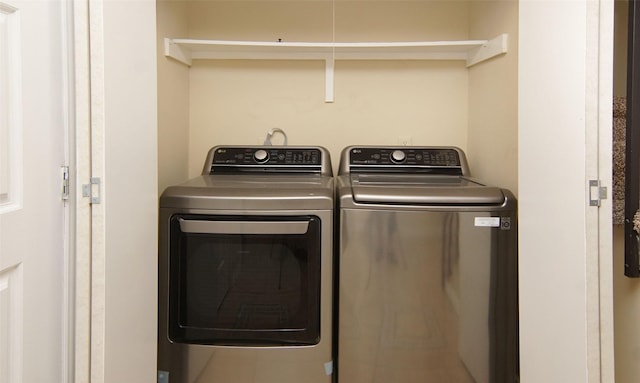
column 266, row 159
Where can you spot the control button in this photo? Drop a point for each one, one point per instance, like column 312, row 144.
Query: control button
column 398, row 156
column 261, row 156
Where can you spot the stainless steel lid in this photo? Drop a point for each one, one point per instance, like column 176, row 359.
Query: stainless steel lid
column 433, row 176
column 422, row 190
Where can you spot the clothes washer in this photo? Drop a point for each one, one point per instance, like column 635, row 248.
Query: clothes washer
column 245, row 269
column 427, row 270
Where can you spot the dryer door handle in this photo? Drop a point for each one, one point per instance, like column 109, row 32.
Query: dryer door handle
column 243, row 227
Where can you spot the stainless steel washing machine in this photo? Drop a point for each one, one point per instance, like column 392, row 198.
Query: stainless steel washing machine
column 245, row 269
column 427, row 270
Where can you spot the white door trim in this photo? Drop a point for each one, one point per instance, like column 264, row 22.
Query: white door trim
column 81, row 174
column 598, row 161
column 97, row 160
column 68, row 115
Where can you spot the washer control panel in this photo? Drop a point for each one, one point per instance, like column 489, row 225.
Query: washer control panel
column 404, row 156
column 265, row 159
column 404, row 159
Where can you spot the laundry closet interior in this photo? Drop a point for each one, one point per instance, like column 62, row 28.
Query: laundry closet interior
column 335, row 74
column 391, row 99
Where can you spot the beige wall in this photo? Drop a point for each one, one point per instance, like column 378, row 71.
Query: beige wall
column 394, row 20
column 173, row 97
column 492, row 145
column 237, row 102
column 620, row 50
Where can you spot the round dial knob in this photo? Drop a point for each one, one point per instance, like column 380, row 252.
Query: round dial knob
column 261, row 156
column 398, row 156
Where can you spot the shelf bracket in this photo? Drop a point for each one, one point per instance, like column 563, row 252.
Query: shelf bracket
column 177, row 52
column 494, row 47
column 329, row 70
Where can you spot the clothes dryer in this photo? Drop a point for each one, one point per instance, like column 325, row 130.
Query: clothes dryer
column 245, row 269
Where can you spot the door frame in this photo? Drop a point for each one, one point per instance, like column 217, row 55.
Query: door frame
column 115, row 85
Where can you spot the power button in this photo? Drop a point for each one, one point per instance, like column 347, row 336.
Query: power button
column 398, row 156
column 261, row 156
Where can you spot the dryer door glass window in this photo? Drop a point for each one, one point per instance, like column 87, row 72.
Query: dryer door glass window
column 244, row 280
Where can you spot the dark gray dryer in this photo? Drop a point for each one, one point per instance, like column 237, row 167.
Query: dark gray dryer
column 246, row 268
column 427, row 270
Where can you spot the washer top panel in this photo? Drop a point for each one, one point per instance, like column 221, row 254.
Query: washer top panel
column 411, row 176
column 432, row 160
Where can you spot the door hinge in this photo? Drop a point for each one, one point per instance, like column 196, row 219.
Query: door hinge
column 65, row 182
column 597, row 192
column 92, row 190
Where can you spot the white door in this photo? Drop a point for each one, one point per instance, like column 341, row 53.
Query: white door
column 33, row 261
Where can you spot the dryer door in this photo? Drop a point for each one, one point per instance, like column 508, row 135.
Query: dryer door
column 244, row 280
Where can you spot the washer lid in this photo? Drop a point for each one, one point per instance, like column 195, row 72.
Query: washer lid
column 408, row 189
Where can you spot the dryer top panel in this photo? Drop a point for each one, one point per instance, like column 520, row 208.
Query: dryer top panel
column 258, row 178
column 252, row 192
column 268, row 159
